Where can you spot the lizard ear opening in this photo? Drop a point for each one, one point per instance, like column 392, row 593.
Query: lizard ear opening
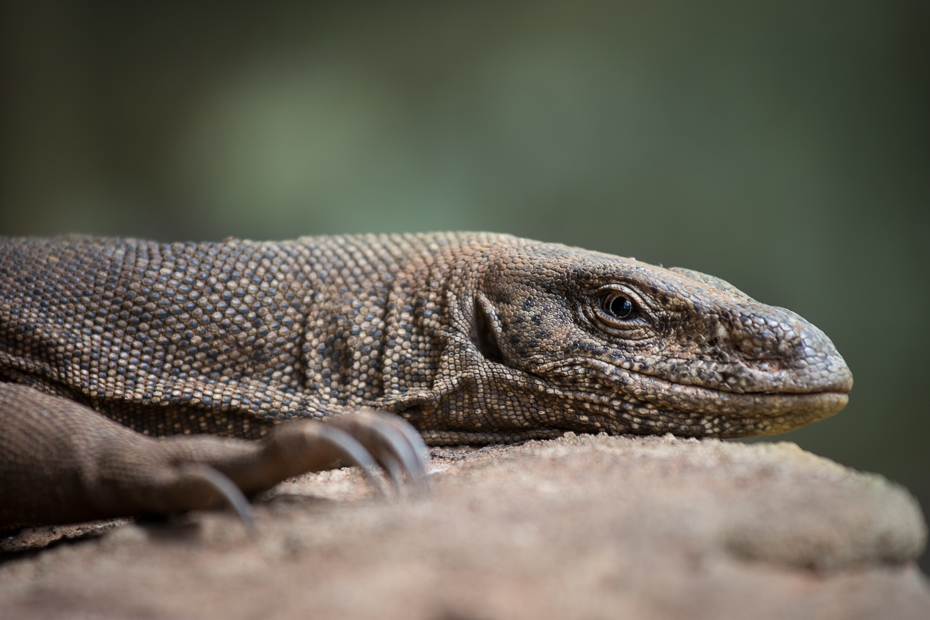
column 485, row 333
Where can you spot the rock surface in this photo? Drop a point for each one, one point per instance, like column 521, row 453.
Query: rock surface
column 588, row 527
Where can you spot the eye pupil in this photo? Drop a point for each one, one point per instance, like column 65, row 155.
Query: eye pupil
column 619, row 307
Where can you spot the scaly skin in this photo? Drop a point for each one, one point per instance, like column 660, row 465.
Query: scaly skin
column 471, row 338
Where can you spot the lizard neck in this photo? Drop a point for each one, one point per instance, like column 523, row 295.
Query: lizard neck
column 435, row 370
column 397, row 311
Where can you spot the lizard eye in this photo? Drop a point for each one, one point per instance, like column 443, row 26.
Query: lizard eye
column 617, row 306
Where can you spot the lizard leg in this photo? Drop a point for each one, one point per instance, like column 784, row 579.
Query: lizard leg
column 62, row 462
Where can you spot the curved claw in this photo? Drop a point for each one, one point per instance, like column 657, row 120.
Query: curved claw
column 416, row 445
column 228, row 489
column 395, row 444
column 353, row 451
column 394, row 469
column 404, row 448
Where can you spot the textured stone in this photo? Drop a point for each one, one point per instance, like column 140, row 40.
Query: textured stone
column 583, row 526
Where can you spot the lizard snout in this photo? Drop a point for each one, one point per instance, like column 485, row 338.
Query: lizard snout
column 776, row 340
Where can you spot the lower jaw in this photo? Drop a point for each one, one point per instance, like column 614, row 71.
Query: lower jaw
column 780, row 413
column 785, row 412
column 764, row 408
column 763, row 426
column 742, row 415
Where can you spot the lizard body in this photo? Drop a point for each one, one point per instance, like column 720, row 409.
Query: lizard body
column 471, row 338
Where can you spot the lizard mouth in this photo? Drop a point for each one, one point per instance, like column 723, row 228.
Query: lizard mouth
column 609, row 387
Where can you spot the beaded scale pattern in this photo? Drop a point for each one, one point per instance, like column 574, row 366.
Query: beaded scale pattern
column 472, row 338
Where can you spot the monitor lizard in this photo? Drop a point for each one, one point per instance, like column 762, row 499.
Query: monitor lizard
column 141, row 377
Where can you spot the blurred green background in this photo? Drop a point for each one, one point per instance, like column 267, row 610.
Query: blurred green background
column 783, row 146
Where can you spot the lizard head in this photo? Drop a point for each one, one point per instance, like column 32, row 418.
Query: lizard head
column 621, row 346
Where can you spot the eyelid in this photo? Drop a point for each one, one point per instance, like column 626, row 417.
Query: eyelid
column 640, row 328
column 631, row 293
